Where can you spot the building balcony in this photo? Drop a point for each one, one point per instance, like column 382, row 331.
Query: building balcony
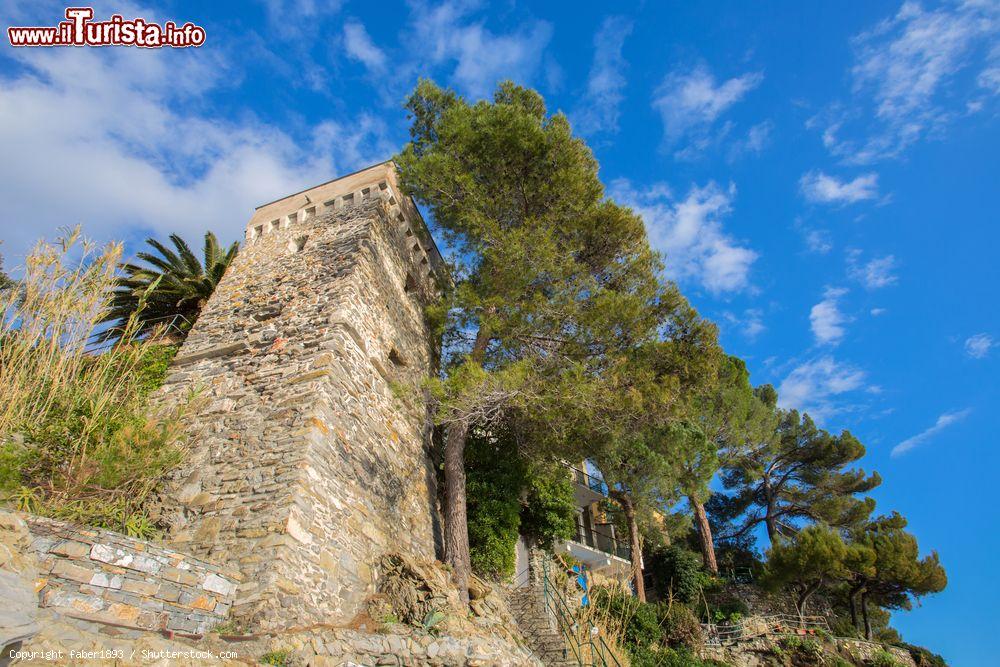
column 597, row 549
column 587, row 488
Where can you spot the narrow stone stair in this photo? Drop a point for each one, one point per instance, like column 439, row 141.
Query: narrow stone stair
column 528, row 607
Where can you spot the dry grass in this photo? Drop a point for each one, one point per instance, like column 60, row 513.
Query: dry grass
column 76, row 440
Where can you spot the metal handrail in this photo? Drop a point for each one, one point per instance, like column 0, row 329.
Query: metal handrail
column 758, row 626
column 568, row 627
column 595, row 484
column 618, row 548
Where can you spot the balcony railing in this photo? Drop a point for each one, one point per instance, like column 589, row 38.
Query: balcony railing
column 593, row 483
column 596, row 539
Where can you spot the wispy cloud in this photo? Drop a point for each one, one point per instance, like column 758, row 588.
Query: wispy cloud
column 689, row 102
column 818, row 385
column 910, row 70
column 121, row 168
column 606, row 83
column 873, row 274
column 750, row 324
column 818, row 187
column 754, row 143
column 943, row 422
column 979, row 346
column 877, row 312
column 690, row 234
column 825, row 318
column 359, row 46
column 447, row 33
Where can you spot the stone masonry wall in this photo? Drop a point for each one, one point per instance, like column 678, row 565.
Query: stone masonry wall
column 308, row 456
column 109, row 577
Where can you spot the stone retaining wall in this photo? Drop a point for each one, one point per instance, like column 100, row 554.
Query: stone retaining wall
column 109, row 577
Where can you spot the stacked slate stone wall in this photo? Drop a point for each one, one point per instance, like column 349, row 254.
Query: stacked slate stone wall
column 309, row 449
column 106, row 576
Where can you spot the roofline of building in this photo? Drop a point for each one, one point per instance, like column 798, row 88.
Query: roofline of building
column 436, row 255
column 319, row 185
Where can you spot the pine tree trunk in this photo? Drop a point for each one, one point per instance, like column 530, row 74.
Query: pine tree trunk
column 864, row 615
column 769, row 519
column 633, row 534
column 854, row 610
column 456, row 527
column 456, row 523
column 852, row 603
column 704, row 534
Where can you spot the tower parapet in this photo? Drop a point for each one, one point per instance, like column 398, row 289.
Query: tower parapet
column 306, row 463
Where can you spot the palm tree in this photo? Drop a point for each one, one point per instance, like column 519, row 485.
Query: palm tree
column 175, row 287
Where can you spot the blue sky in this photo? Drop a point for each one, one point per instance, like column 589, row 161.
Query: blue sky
column 820, row 175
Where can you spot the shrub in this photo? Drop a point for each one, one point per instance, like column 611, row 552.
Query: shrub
column 278, row 658
column 76, row 439
column 637, row 623
column 677, row 573
column 806, row 648
column 883, row 658
column 923, row 657
column 549, row 510
column 679, row 626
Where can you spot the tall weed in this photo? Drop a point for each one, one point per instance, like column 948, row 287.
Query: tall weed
column 77, row 440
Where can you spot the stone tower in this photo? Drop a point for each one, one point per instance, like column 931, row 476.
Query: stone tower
column 309, row 443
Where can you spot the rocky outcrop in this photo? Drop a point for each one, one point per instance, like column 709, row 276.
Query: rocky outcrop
column 18, row 614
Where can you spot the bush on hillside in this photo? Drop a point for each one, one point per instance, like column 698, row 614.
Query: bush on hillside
column 677, row 573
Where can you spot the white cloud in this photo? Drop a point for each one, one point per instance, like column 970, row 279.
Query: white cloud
column 756, row 140
column 359, row 46
column 600, row 108
column 876, row 312
column 481, row 58
column 689, row 233
column 750, row 324
column 979, row 346
column 819, row 241
column 819, row 187
column 912, row 70
column 943, row 422
column 137, row 157
column 690, row 101
column 291, row 18
column 817, row 386
column 873, row 274
column 825, row 318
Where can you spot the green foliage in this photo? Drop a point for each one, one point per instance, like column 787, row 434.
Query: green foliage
column 548, row 513
column 806, row 648
column 433, row 620
column 280, row 658
column 653, row 634
column 5, row 280
column 923, row 657
column 677, row 572
column 172, row 289
column 77, row 440
column 509, row 495
column 816, row 556
column 495, row 479
column 883, row 658
column 550, row 276
column 796, row 472
column 888, row 568
column 679, row 626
